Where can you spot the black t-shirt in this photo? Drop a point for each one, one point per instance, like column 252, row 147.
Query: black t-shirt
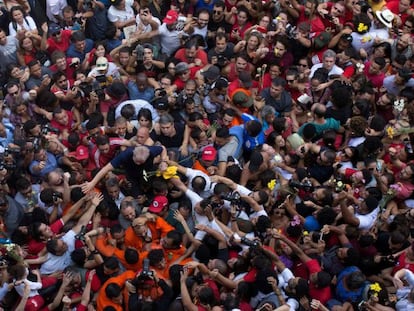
column 171, row 142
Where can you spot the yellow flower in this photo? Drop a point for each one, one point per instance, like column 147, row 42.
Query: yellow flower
column 271, row 184
column 375, row 287
column 390, row 132
column 362, row 27
column 169, row 173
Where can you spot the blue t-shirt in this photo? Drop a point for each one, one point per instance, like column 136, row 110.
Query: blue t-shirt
column 125, row 160
column 72, row 52
column 51, row 164
column 250, row 142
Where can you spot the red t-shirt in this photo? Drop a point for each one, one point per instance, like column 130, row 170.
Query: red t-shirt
column 69, row 71
column 376, row 80
column 200, row 54
column 62, row 127
column 393, row 6
column 63, row 45
column 321, row 294
column 35, row 247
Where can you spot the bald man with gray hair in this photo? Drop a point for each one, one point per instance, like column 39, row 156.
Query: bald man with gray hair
column 137, row 162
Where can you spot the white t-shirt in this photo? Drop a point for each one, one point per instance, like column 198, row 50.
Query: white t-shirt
column 192, row 173
column 146, row 28
column 115, row 15
column 170, row 40
column 55, row 7
column 367, row 221
column 201, row 219
column 138, row 105
column 59, row 263
column 28, row 24
column 334, row 71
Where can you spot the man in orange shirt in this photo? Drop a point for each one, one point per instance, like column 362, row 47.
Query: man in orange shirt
column 111, row 293
column 112, row 244
column 146, row 230
column 208, row 157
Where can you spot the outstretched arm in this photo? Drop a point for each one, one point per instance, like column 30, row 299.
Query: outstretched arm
column 83, row 221
column 296, row 249
column 90, row 185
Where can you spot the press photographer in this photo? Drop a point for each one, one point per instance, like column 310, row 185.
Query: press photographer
column 145, row 290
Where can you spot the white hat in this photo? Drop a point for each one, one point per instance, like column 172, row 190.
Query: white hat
column 386, row 17
column 101, row 63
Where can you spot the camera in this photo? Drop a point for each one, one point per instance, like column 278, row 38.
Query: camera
column 99, row 92
column 160, row 92
column 74, row 65
column 146, row 272
column 145, row 275
column 46, row 129
column 306, row 185
column 79, row 20
column 250, row 243
column 87, row 88
column 56, row 196
column 11, row 151
column 234, row 198
column 7, row 166
column 329, row 17
column 291, row 31
column 139, row 51
column 81, row 235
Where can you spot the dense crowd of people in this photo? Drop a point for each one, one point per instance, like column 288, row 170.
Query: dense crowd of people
column 206, row 155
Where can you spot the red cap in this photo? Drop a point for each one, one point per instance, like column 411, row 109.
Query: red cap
column 160, row 201
column 209, row 153
column 80, row 154
column 171, row 17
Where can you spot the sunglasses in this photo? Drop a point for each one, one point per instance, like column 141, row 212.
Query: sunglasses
column 14, row 93
column 56, row 33
column 217, row 12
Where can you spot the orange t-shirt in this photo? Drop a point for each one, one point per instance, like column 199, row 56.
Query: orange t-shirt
column 158, row 229
column 103, row 301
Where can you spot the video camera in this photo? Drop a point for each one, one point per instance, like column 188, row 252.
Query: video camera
column 306, row 185
column 233, row 197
